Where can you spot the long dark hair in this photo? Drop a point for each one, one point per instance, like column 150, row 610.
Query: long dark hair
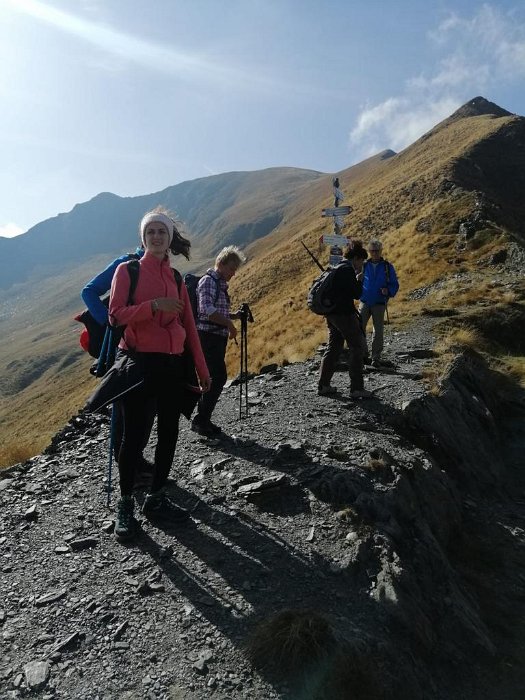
column 179, row 244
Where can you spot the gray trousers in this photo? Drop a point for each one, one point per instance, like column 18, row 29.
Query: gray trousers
column 377, row 312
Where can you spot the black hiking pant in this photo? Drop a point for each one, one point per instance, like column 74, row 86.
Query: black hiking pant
column 118, row 428
column 341, row 328
column 214, row 349
column 163, row 380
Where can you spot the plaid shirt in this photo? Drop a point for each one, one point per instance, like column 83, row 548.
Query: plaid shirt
column 206, row 295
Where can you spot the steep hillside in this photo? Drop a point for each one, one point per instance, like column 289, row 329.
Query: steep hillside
column 236, row 207
column 442, row 208
column 337, row 549
column 449, row 209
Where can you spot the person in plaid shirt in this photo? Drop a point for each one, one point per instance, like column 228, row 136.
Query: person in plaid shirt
column 215, row 326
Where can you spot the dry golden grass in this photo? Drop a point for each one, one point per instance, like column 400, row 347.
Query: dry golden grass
column 514, row 367
column 16, row 453
column 291, row 644
column 390, row 198
column 31, row 418
column 460, row 339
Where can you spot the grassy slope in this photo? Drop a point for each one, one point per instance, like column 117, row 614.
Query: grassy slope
column 389, row 196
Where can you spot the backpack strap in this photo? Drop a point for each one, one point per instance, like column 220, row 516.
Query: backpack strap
column 133, row 271
column 217, row 288
column 387, row 272
column 178, row 279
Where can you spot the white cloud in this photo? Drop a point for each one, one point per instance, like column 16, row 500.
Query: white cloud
column 396, row 123
column 10, row 230
column 477, row 53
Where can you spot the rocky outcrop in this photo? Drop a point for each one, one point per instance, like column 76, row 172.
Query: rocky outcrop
column 366, row 547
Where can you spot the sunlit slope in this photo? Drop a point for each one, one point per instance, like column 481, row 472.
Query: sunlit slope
column 231, row 207
column 443, row 207
column 415, row 201
column 44, row 374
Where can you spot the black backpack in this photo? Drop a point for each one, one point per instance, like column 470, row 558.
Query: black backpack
column 321, row 299
column 192, row 282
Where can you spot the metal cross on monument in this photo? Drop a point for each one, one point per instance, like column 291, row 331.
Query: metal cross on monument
column 336, row 240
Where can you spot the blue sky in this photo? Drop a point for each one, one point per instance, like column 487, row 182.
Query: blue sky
column 130, row 97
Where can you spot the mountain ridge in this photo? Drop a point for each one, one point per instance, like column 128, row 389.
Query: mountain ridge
column 447, row 213
column 366, row 549
column 108, row 223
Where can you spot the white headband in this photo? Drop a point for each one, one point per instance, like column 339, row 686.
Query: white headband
column 152, row 216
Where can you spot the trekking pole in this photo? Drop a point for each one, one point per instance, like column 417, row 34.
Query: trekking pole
column 387, row 316
column 244, row 366
column 246, row 315
column 111, row 444
column 316, row 261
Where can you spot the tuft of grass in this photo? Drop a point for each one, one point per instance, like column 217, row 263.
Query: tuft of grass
column 291, row 644
column 15, row 453
column 375, row 465
column 347, row 514
column 514, row 367
column 459, row 339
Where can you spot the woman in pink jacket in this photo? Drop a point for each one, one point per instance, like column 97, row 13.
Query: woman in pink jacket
column 159, row 326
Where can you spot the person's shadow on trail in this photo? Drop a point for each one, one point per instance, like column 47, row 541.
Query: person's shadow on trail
column 249, row 572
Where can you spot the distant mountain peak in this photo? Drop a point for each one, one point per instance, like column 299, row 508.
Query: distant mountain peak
column 477, row 107
column 387, row 153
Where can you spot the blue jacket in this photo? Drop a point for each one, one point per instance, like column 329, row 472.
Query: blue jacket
column 374, row 279
column 101, row 284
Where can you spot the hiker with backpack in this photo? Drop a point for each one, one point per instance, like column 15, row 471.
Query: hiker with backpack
column 344, row 323
column 159, row 328
column 97, row 306
column 379, row 285
column 215, row 326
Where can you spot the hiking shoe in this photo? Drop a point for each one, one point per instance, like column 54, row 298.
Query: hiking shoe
column 205, row 427
column 362, row 394
column 159, row 506
column 382, row 363
column 387, row 364
column 326, row 389
column 125, row 524
column 214, row 429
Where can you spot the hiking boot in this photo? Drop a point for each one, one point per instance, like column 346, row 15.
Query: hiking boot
column 382, row 363
column 125, row 523
column 159, row 506
column 326, row 389
column 205, row 427
column 362, row 394
column 387, row 364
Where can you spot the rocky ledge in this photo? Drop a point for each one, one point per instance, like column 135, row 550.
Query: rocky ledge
column 337, row 549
